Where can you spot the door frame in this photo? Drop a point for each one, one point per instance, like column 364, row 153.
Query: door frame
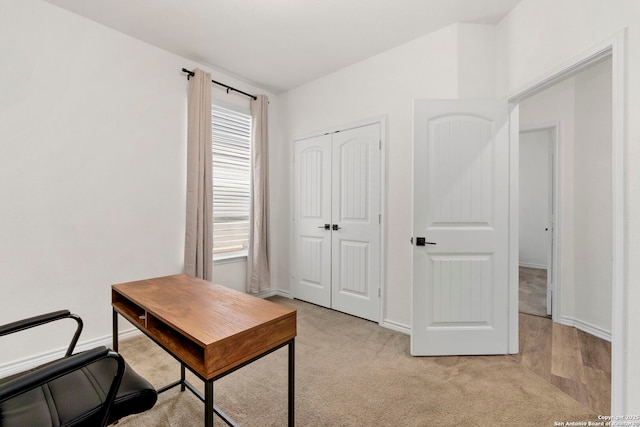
column 555, row 205
column 381, row 121
column 614, row 48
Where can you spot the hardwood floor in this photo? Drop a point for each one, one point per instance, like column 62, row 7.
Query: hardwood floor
column 533, row 291
column 576, row 362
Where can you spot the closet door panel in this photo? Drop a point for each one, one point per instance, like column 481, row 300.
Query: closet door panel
column 356, row 221
column 312, row 210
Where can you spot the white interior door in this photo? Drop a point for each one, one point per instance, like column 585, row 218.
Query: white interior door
column 356, row 219
column 461, row 210
column 312, row 217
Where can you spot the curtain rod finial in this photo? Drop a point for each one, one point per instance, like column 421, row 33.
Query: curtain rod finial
column 189, row 73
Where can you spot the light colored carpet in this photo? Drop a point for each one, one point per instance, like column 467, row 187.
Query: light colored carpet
column 352, row 372
column 533, row 291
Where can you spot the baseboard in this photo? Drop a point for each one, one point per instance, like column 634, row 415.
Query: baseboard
column 389, row 324
column 123, row 335
column 21, row 365
column 531, row 265
column 398, row 327
column 286, row 294
column 586, row 327
column 567, row 321
column 273, row 293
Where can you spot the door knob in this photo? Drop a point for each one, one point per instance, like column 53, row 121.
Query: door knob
column 326, row 226
column 336, row 227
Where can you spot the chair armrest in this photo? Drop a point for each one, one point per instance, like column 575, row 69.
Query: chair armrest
column 42, row 319
column 61, row 367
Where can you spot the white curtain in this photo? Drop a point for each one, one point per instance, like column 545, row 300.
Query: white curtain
column 258, row 257
column 198, row 249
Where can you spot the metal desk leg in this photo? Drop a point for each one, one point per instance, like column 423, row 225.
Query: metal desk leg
column 208, row 403
column 183, row 378
column 115, row 331
column 291, row 382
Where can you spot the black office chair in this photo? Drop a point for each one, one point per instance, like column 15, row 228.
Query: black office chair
column 91, row 388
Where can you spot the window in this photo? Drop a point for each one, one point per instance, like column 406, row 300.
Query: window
column 231, row 155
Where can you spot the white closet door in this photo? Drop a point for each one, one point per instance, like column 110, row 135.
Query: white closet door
column 312, row 211
column 355, row 213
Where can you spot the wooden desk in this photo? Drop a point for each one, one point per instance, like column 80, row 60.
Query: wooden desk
column 211, row 330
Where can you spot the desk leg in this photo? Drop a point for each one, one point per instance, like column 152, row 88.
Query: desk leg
column 208, row 403
column 292, row 356
column 183, row 378
column 115, row 330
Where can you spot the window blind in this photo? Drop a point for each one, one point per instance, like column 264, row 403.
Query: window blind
column 231, row 154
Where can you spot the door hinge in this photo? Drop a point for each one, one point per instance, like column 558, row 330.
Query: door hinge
column 380, row 145
column 378, row 292
column 379, row 218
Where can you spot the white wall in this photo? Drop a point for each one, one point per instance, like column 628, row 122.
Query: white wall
column 385, row 85
column 535, row 189
column 593, row 200
column 231, row 273
column 540, row 35
column 477, row 65
column 92, row 167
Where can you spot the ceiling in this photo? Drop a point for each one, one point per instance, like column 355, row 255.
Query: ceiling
column 281, row 44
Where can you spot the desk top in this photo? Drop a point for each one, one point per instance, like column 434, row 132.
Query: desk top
column 209, row 327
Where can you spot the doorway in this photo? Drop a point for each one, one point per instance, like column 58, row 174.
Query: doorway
column 537, row 219
column 583, row 308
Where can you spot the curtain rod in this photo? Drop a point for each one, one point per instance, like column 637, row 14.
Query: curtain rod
column 191, row 74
